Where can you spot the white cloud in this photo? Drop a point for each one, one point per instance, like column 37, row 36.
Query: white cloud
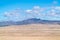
column 57, row 8
column 57, row 11
column 36, row 9
column 11, row 15
column 6, row 14
column 54, row 12
column 28, row 11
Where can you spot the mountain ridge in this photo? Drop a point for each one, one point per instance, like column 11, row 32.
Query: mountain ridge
column 29, row 21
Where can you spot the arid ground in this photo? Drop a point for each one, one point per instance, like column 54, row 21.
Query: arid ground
column 30, row 32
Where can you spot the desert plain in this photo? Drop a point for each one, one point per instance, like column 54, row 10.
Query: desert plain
column 30, row 32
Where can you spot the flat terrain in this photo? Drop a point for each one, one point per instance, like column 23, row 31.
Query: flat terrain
column 30, row 32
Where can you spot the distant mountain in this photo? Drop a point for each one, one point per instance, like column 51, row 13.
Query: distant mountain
column 28, row 21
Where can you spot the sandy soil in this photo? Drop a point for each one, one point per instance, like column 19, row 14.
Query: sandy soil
column 30, row 32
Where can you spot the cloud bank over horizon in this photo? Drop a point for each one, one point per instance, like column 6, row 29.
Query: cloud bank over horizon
column 35, row 12
column 19, row 10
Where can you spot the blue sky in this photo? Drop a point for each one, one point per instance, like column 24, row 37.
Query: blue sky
column 10, row 5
